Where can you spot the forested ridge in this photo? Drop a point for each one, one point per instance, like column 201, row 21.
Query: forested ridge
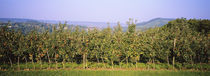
column 180, row 42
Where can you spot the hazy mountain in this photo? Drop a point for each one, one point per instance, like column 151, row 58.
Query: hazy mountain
column 18, row 20
column 27, row 25
column 33, row 22
column 156, row 22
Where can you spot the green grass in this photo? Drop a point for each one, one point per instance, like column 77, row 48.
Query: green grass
column 106, row 65
column 101, row 73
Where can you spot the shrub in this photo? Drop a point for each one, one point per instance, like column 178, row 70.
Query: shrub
column 178, row 65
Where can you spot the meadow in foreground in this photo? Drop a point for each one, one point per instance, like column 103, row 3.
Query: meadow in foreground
column 102, row 73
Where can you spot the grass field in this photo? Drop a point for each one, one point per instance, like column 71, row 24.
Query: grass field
column 159, row 66
column 73, row 69
column 102, row 73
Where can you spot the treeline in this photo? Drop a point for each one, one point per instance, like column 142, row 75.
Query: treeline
column 180, row 41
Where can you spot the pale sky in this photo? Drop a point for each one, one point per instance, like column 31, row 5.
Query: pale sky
column 104, row 10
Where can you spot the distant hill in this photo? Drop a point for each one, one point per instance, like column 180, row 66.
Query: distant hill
column 33, row 21
column 18, row 20
column 156, row 22
column 27, row 25
column 83, row 24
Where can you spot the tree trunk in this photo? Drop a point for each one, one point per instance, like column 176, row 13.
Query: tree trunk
column 49, row 62
column 97, row 61
column 207, row 56
column 127, row 61
column 86, row 61
column 18, row 63
column 147, row 66
column 40, row 62
column 63, row 63
column 191, row 60
column 136, row 63
column 167, row 59
column 112, row 63
column 120, row 64
column 26, row 63
column 148, row 63
column 103, row 61
column 97, row 58
column 174, row 53
column 83, row 58
column 11, row 65
column 173, row 61
column 33, row 63
column 56, row 63
column 153, row 62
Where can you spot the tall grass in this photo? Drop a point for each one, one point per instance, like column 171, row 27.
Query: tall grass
column 101, row 73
